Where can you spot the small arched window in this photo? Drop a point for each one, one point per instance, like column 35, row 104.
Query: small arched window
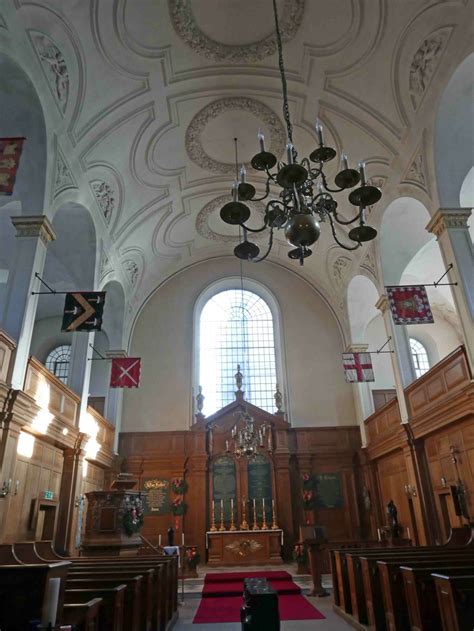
column 420, row 357
column 236, row 327
column 58, row 361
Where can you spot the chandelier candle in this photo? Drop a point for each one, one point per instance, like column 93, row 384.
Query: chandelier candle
column 298, row 194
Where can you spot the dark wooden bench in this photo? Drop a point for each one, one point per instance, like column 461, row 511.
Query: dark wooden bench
column 455, row 601
column 111, row 614
column 83, row 616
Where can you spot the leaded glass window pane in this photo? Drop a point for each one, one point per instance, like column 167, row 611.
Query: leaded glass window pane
column 58, row 360
column 420, row 357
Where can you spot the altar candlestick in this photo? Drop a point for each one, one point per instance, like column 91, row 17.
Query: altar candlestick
column 222, row 527
column 274, row 524
column 254, row 527
column 244, row 525
column 213, row 517
column 264, row 517
column 232, row 523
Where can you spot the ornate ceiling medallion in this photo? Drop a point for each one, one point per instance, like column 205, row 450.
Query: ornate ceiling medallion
column 184, row 22
column 266, row 116
column 202, row 220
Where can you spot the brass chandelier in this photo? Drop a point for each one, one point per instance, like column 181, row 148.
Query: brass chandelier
column 247, row 439
column 305, row 198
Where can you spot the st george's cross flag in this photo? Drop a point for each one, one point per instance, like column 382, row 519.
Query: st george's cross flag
column 10, row 152
column 409, row 305
column 358, row 367
column 125, row 372
column 83, row 311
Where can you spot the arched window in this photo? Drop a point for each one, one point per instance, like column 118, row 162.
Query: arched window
column 236, row 327
column 58, row 360
column 420, row 357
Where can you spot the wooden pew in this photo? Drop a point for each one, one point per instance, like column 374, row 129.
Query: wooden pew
column 27, row 553
column 83, row 616
column 392, row 586
column 133, row 595
column 7, row 555
column 119, row 573
column 456, row 601
column 420, row 594
column 111, row 614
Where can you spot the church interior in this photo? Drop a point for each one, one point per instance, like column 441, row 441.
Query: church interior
column 236, row 315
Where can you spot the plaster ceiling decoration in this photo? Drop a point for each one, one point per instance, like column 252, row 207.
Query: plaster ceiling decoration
column 105, row 198
column 368, row 263
column 338, row 266
column 63, row 178
column 262, row 115
column 54, row 67
column 105, row 264
column 210, row 213
column 131, row 269
column 3, row 24
column 415, row 174
column 186, row 25
column 424, row 64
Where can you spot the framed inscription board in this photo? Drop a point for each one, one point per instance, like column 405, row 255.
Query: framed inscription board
column 157, row 501
column 224, row 485
column 260, row 485
column 329, row 490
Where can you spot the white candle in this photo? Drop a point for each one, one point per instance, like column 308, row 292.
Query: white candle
column 159, row 540
column 182, row 538
column 254, row 502
column 289, row 153
column 243, row 173
column 227, row 445
column 261, row 139
column 319, row 131
column 363, row 180
column 408, row 531
column 232, row 505
column 50, row 603
column 344, row 162
column 378, row 534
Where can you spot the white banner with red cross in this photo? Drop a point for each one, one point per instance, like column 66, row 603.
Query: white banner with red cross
column 125, row 372
column 358, row 367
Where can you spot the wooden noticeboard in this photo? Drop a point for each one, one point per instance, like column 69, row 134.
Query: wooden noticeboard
column 157, row 501
column 329, row 490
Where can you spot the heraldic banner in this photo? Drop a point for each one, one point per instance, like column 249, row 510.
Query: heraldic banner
column 358, row 367
column 409, row 305
column 10, row 151
column 83, row 311
column 125, row 372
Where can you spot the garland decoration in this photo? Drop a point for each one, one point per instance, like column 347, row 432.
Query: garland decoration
column 179, row 486
column 309, row 500
column 308, row 482
column 179, row 507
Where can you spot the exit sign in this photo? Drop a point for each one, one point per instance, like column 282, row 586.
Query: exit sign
column 48, row 495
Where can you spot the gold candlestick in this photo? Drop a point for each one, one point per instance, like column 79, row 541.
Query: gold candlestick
column 274, row 521
column 244, row 525
column 222, row 527
column 264, row 517
column 254, row 526
column 213, row 517
column 232, row 525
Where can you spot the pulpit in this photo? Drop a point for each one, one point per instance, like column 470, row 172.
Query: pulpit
column 114, row 519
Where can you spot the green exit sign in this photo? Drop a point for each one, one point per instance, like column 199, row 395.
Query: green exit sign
column 48, row 495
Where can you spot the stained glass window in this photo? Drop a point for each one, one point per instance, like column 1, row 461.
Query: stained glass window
column 58, row 362
column 236, row 328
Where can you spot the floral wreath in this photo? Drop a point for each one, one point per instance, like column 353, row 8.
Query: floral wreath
column 133, row 517
column 179, row 506
column 179, row 486
column 309, row 500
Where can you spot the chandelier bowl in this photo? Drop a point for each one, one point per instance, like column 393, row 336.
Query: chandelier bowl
column 235, row 213
column 246, row 191
column 322, row 154
column 291, row 174
column 263, row 161
column 298, row 254
column 347, row 178
column 365, row 195
column 302, row 230
column 362, row 233
column 246, row 251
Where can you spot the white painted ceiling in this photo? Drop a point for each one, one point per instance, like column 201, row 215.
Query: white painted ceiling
column 150, row 94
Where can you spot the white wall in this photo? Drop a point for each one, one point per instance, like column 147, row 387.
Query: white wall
column 375, row 337
column 163, row 338
column 47, row 335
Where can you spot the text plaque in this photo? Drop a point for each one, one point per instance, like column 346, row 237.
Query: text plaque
column 158, row 499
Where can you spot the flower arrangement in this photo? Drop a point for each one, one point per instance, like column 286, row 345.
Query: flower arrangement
column 299, row 554
column 192, row 557
column 179, row 506
column 179, row 486
column 308, row 500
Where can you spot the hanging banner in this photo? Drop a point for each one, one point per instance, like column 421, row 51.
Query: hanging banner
column 125, row 372
column 358, row 367
column 10, row 152
column 409, row 305
column 83, row 311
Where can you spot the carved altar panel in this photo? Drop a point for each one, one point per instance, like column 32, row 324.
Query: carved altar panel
column 247, row 547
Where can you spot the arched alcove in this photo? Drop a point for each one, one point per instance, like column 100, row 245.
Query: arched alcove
column 454, row 134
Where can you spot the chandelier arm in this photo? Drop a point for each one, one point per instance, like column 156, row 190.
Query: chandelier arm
column 270, row 245
column 271, row 177
column 286, row 109
column 331, row 190
column 345, row 247
column 345, row 223
column 267, row 193
column 253, row 229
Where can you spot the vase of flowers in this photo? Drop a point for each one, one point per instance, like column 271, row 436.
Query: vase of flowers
column 301, row 557
column 191, row 561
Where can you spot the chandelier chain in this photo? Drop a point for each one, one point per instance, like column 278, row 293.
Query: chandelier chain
column 286, row 109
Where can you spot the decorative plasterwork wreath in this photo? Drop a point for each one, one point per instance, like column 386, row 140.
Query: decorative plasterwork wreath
column 184, row 22
column 266, row 115
column 202, row 225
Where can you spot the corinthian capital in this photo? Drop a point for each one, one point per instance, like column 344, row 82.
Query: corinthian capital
column 34, row 226
column 448, row 218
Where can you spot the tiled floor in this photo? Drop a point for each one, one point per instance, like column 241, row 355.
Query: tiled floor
column 192, row 591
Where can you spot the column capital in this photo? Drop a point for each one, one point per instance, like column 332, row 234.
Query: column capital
column 357, row 348
column 382, row 303
column 446, row 218
column 34, row 226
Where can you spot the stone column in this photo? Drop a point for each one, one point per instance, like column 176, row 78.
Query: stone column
column 34, row 233
column 402, row 363
column 364, row 404
column 451, row 230
column 113, row 403
column 80, row 366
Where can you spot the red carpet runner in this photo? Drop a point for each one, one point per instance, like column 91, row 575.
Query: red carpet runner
column 222, row 597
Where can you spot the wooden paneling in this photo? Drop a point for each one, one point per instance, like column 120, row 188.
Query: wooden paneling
column 7, row 350
column 381, row 397
column 384, row 433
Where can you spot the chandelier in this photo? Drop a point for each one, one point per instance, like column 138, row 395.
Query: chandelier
column 305, row 198
column 247, row 439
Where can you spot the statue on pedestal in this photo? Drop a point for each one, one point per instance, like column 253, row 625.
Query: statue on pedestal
column 278, row 399
column 200, row 400
column 393, row 519
column 238, row 378
column 171, row 536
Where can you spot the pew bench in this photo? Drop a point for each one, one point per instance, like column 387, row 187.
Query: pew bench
column 456, row 601
column 83, row 616
column 111, row 612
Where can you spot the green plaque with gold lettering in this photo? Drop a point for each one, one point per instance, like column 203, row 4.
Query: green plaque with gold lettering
column 329, row 490
column 260, row 486
column 224, row 487
column 157, row 501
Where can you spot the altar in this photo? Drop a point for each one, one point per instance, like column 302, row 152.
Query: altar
column 244, row 547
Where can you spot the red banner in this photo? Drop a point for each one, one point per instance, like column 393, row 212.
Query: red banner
column 358, row 367
column 409, row 305
column 10, row 151
column 125, row 372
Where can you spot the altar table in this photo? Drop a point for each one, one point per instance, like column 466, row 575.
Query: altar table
column 244, row 547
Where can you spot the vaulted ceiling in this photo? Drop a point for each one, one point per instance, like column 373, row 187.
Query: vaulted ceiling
column 142, row 100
